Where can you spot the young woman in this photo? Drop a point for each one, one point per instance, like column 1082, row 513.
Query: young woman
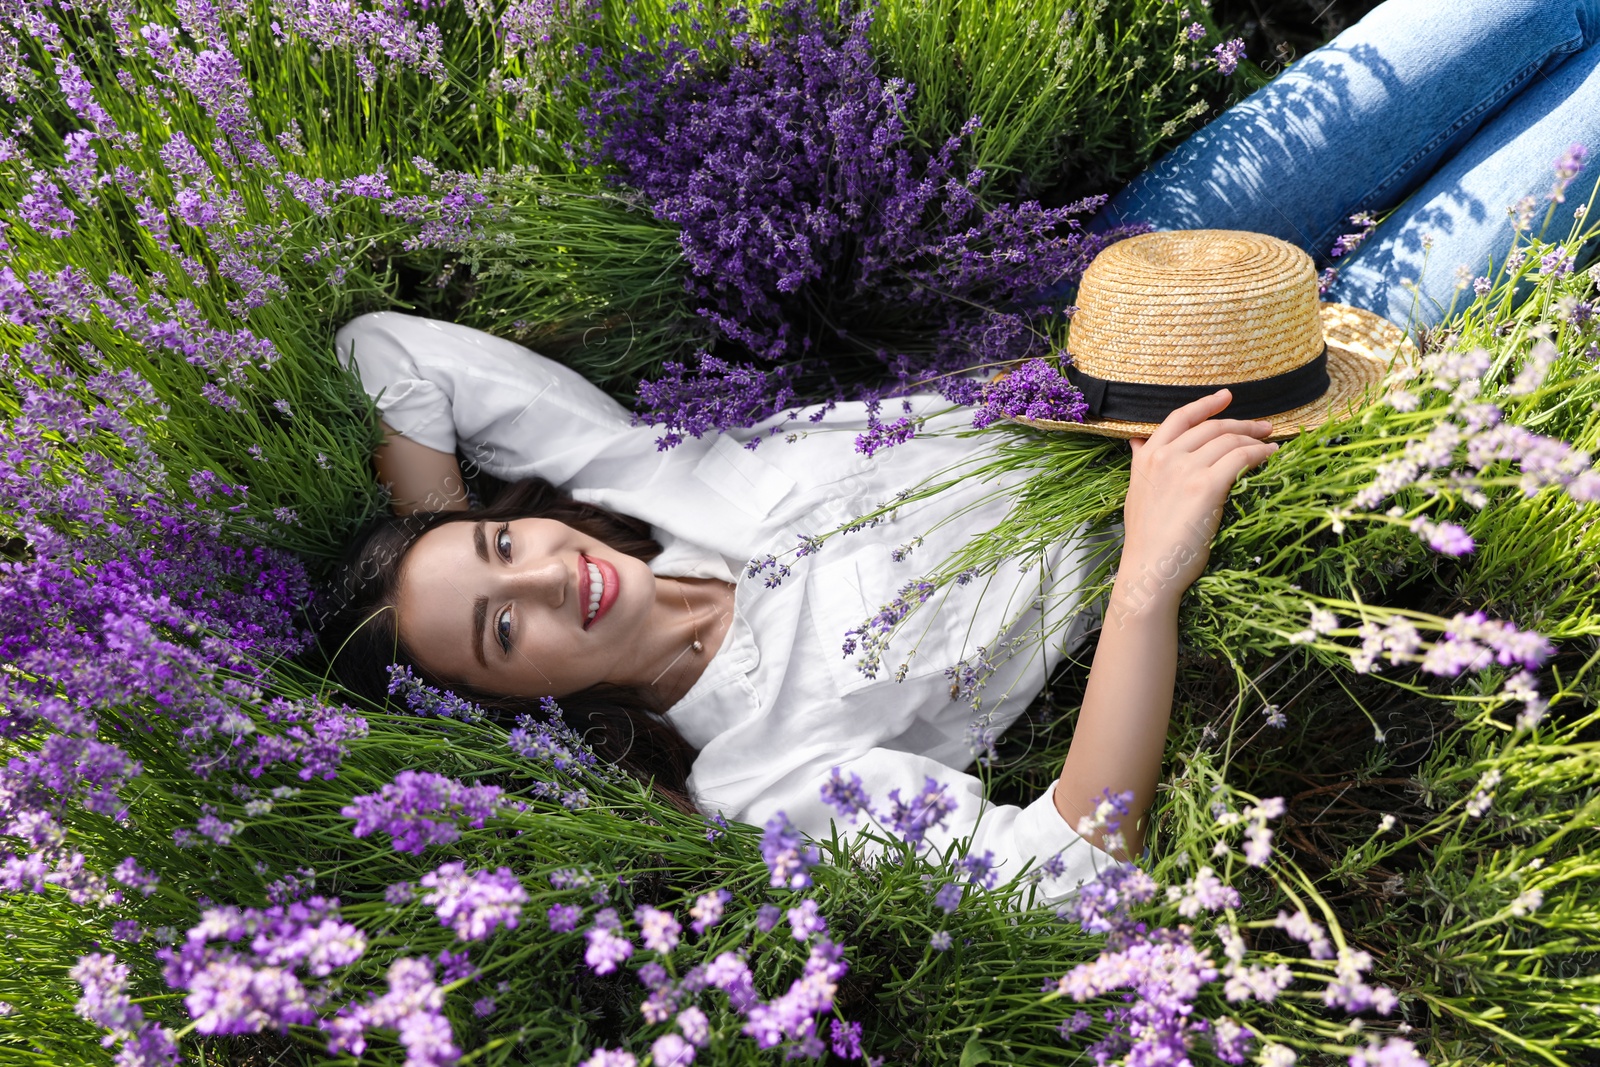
column 614, row 577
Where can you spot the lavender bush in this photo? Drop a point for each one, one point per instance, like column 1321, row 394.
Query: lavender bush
column 1371, row 845
column 852, row 259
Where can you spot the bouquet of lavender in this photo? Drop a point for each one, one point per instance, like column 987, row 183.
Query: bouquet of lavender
column 826, row 252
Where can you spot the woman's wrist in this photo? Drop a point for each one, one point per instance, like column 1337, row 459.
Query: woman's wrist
column 1142, row 593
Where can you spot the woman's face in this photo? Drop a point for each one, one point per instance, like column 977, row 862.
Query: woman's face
column 526, row 608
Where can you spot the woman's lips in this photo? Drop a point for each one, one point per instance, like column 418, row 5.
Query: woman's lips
column 608, row 591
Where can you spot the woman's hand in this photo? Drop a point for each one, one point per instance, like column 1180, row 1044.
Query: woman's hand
column 1181, row 477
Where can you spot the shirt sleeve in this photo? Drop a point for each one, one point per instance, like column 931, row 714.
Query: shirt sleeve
column 1018, row 837
column 514, row 412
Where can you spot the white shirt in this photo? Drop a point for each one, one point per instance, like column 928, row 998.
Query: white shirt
column 779, row 706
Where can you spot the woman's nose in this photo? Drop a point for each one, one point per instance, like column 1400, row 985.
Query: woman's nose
column 546, row 580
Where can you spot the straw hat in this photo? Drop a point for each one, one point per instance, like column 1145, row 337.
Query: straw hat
column 1165, row 318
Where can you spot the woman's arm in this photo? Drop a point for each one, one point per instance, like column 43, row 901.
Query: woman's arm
column 1180, row 480
column 419, row 478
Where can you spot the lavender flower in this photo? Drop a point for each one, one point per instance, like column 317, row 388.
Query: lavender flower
column 402, row 809
column 1394, row 1052
column 805, row 921
column 1035, row 390
column 1204, row 892
column 860, row 234
column 849, row 799
column 940, row 941
column 1348, row 243
column 707, row 910
column 928, row 810
column 695, row 1026
column 1445, row 538
column 658, row 929
column 1567, row 168
column 411, row 1006
column 1228, row 54
column 239, row 992
column 788, row 857
column 563, row 918
column 610, row 1058
column 607, row 948
column 670, row 1050
column 475, row 904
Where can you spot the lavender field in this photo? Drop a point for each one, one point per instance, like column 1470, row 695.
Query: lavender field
column 1375, row 842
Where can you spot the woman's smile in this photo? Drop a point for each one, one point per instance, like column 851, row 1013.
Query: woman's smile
column 601, row 585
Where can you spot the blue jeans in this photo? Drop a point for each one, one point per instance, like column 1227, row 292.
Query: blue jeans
column 1451, row 109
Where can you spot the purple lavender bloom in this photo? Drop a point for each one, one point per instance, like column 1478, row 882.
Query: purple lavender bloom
column 607, row 949
column 806, row 921
column 849, row 799
column 881, row 435
column 1228, row 54
column 475, row 904
column 563, row 918
column 1035, row 390
column 928, row 810
column 456, row 967
column 1204, row 892
column 670, row 1050
column 402, row 809
column 707, row 910
column 695, row 1026
column 483, row 1007
column 262, row 987
column 941, row 941
column 860, row 233
column 1567, row 168
column 130, row 874
column 1394, row 1052
column 789, row 858
column 1195, row 32
column 948, row 898
column 980, row 870
column 846, row 1042
column 1446, row 538
column 767, row 917
column 423, row 699
column 658, row 929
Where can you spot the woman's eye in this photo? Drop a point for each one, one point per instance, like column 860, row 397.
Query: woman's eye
column 502, row 543
column 502, row 629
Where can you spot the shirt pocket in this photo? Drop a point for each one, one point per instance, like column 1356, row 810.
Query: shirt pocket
column 843, row 596
column 742, row 478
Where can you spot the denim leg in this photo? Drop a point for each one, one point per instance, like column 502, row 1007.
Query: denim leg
column 1358, row 123
column 1457, row 221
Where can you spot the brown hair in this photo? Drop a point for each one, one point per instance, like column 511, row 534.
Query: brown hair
column 626, row 726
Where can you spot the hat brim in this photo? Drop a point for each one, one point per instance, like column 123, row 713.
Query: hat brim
column 1362, row 347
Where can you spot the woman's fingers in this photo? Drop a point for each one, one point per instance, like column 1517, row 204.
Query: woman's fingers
column 1190, row 415
column 1197, row 437
column 1243, row 458
column 1208, row 453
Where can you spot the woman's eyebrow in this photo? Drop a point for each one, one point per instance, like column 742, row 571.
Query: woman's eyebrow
column 480, row 614
column 479, row 543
